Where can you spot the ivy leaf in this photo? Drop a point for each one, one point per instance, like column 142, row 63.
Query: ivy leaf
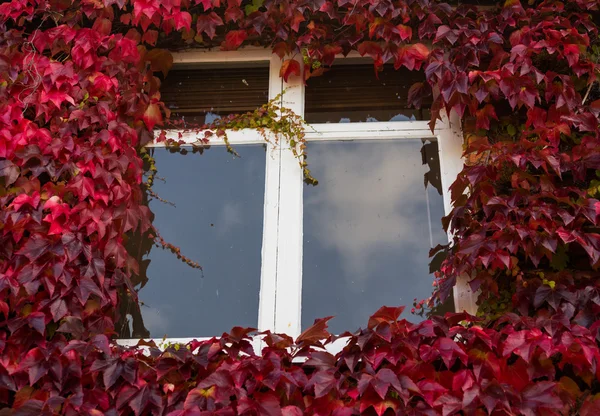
column 73, row 245
column 56, row 97
column 322, row 381
column 207, row 23
column 264, row 404
column 445, row 32
column 404, row 31
column 484, row 115
column 385, row 314
column 281, row 49
column 58, row 309
column 316, row 333
column 9, row 171
column 234, row 39
column 207, row 4
column 288, row 68
column 539, row 396
column 29, row 408
column 36, row 246
column 417, row 92
column 291, row 411
column 251, row 8
column 571, row 53
column 182, row 20
column 37, row 320
column 153, row 116
column 370, row 48
column 160, row 60
column 72, row 325
column 34, row 361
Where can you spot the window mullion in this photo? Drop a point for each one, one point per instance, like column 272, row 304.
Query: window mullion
column 289, row 260
column 268, row 287
column 451, row 163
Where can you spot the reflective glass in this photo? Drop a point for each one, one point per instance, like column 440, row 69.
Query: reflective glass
column 351, row 93
column 217, row 221
column 368, row 228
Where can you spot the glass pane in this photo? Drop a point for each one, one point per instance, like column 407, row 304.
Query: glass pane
column 217, row 221
column 199, row 95
column 368, row 228
column 352, row 92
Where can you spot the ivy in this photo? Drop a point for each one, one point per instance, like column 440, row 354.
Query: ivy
column 274, row 122
column 80, row 97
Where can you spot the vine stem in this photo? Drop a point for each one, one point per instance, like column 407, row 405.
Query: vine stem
column 587, row 93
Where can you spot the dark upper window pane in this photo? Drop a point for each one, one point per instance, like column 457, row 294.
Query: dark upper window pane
column 217, row 221
column 368, row 228
column 201, row 94
column 352, row 92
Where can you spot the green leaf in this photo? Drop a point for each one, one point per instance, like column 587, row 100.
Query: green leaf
column 512, row 130
column 251, row 8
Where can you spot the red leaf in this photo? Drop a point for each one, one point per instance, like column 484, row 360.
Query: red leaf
column 208, row 23
column 56, row 97
column 58, row 309
column 160, row 60
column 264, row 404
column 296, row 20
column 320, row 359
column 219, row 378
column 234, row 39
column 30, row 408
column 484, row 115
column 150, row 37
column 35, row 363
column 37, row 320
column 73, row 245
column 101, row 342
column 9, row 171
column 234, row 14
column 153, row 116
column 322, row 382
column 103, row 26
column 291, row 411
column 316, row 333
column 182, row 20
column 144, row 397
column 385, row 314
column 370, row 48
column 72, row 325
column 571, row 53
column 281, row 49
column 289, row 67
column 85, row 288
column 540, row 396
column 36, row 246
column 405, row 32
column 207, row 4
column 445, row 32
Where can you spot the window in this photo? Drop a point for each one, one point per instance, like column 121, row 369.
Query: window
column 350, row 92
column 218, row 221
column 368, row 228
column 278, row 253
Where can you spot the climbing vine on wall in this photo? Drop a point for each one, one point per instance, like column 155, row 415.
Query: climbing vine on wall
column 276, row 124
column 79, row 98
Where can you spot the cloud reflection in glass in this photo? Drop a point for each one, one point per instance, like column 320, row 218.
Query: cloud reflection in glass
column 368, row 228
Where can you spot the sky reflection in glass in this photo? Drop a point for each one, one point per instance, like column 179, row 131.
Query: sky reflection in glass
column 368, row 228
column 217, row 222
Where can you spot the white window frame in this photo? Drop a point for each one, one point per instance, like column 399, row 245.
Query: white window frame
column 282, row 241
